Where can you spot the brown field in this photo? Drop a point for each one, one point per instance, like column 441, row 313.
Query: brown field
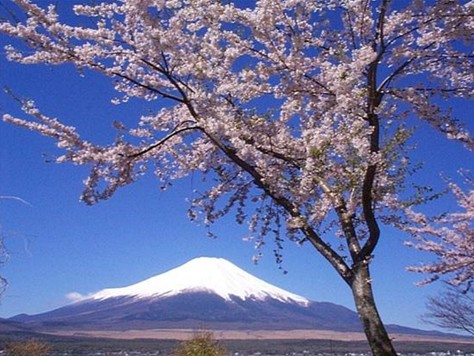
column 183, row 334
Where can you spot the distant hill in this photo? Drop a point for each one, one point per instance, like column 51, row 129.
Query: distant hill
column 12, row 326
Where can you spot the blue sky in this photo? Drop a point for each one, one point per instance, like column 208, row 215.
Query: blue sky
column 58, row 245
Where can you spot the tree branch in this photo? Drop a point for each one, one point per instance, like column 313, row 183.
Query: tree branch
column 163, row 140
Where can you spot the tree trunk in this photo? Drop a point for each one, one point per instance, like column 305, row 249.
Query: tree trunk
column 374, row 329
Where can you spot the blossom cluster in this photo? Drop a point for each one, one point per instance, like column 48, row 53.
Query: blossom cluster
column 293, row 111
column 450, row 237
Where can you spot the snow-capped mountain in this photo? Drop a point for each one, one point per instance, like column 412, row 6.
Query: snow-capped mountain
column 205, row 274
column 205, row 292
column 210, row 292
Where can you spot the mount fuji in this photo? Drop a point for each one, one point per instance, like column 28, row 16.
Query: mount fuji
column 209, row 292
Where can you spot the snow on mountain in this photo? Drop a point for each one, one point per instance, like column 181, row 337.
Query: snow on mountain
column 204, row 274
column 210, row 292
column 204, row 291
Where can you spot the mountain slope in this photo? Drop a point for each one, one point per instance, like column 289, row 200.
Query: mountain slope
column 208, row 292
column 205, row 292
column 195, row 310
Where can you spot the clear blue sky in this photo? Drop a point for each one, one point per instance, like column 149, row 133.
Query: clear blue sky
column 59, row 245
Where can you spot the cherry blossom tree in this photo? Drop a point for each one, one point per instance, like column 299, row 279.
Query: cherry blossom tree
column 296, row 113
column 450, row 237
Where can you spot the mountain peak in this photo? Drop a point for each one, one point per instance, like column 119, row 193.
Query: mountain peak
column 203, row 274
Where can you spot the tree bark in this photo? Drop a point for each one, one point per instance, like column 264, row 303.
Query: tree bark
column 374, row 329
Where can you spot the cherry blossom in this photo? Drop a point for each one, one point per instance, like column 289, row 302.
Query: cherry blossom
column 294, row 112
column 450, row 237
